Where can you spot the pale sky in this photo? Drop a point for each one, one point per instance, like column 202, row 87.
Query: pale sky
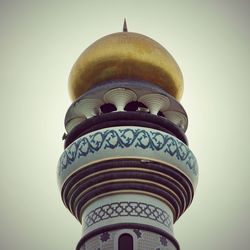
column 40, row 41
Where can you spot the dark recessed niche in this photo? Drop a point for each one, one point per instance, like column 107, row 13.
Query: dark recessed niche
column 160, row 114
column 125, row 242
column 134, row 106
column 108, row 108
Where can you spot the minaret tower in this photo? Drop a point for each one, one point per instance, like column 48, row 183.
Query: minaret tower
column 126, row 173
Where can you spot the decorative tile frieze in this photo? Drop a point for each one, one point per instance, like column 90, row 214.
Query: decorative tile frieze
column 123, row 138
column 125, row 208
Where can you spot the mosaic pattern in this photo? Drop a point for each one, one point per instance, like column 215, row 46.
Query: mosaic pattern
column 146, row 241
column 125, row 208
column 125, row 138
column 138, row 233
column 163, row 241
column 105, row 236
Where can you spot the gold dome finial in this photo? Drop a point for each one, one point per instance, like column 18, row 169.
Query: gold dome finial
column 125, row 55
column 125, row 29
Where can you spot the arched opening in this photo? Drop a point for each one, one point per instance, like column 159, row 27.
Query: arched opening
column 125, row 242
column 161, row 114
column 108, row 108
column 135, row 106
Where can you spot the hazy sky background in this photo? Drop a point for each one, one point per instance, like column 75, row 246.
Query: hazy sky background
column 40, row 41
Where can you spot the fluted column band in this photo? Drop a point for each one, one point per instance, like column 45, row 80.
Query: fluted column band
column 173, row 244
column 130, row 118
column 108, row 172
column 121, row 179
column 150, row 167
column 130, row 143
column 140, row 88
column 132, row 208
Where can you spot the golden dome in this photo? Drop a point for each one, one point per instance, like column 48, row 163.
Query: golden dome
column 125, row 55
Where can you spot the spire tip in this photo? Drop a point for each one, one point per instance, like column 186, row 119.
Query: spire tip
column 125, row 29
